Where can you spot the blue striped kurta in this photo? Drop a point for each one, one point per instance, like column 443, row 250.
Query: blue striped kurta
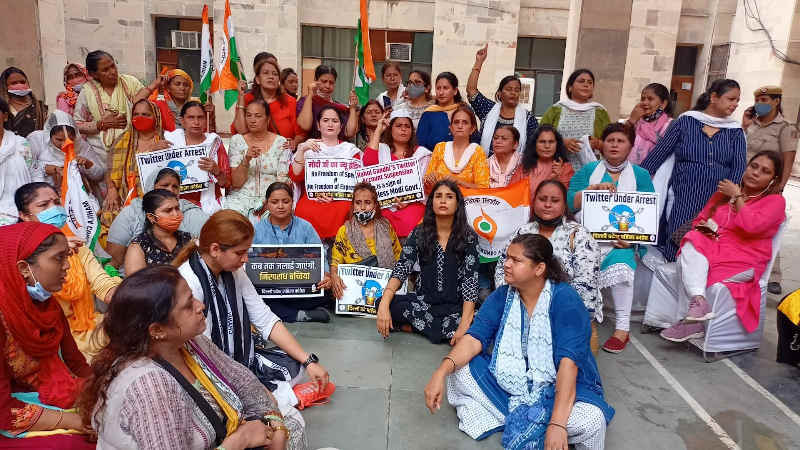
column 701, row 162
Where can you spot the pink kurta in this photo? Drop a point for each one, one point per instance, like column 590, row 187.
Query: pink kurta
column 745, row 242
column 544, row 171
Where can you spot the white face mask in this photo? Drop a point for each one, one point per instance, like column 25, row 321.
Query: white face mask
column 20, row 92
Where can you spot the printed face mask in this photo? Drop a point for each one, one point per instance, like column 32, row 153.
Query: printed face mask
column 363, row 217
column 54, row 215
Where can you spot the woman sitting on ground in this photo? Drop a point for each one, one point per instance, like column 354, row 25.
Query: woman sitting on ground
column 214, row 263
column 368, row 118
column 505, row 110
column 366, row 238
column 614, row 173
column 541, row 386
column 573, row 245
column 446, row 248
column 505, row 162
column 86, row 278
column 258, row 159
column 161, row 384
column 279, row 227
column 42, row 371
column 130, row 222
column 545, row 158
column 194, row 120
column 459, row 159
column 391, row 141
column 75, row 77
column 161, row 240
column 326, row 214
column 731, row 242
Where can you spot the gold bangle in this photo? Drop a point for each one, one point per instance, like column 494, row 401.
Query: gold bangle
column 284, row 428
column 455, row 366
column 60, row 418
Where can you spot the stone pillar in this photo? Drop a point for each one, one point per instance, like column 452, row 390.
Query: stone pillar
column 460, row 29
column 20, row 43
column 651, row 48
column 603, row 47
column 573, row 34
column 54, row 48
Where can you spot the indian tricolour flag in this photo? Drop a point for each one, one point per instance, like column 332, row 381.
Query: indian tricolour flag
column 207, row 71
column 365, row 69
column 227, row 79
column 496, row 214
column 81, row 207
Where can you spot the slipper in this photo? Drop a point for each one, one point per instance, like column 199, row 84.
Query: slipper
column 615, row 345
column 309, row 395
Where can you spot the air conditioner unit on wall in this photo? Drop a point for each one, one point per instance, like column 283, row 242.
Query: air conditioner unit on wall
column 398, row 51
column 185, row 40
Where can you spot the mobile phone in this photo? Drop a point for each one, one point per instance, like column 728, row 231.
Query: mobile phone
column 387, row 102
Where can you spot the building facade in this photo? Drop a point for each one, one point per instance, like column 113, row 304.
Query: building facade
column 627, row 43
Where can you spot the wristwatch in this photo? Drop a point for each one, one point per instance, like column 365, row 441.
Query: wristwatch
column 312, row 358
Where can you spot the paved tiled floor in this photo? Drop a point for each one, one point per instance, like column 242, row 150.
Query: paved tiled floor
column 379, row 402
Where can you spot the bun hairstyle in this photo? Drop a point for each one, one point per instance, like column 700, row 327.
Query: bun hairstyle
column 719, row 87
column 661, row 92
column 190, row 104
column 538, row 249
column 153, row 200
column 93, row 60
column 453, row 80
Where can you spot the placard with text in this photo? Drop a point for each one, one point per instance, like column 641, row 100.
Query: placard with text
column 396, row 181
column 286, row 271
column 627, row 216
column 331, row 176
column 183, row 160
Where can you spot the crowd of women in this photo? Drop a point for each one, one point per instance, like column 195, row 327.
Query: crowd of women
column 179, row 351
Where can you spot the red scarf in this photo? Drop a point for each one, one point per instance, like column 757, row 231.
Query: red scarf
column 38, row 328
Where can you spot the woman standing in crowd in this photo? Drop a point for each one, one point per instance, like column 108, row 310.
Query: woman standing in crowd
column 213, row 263
column 178, row 88
column 459, row 159
column 324, row 213
column 504, row 110
column 27, row 114
column 319, row 94
column 145, row 135
column 258, row 159
column 393, row 80
column 573, row 245
column 446, row 248
column 368, row 118
column 577, row 116
column 48, row 156
column 75, row 76
column 398, row 141
column 194, row 120
column 161, row 384
column 282, row 107
column 161, row 240
column 650, row 118
column 709, row 146
column 366, row 238
column 103, row 109
column 545, row 158
column 540, row 384
column 15, row 166
column 289, row 82
column 504, row 164
column 42, row 371
column 731, row 242
column 130, row 222
column 770, row 131
column 86, row 278
column 279, row 227
column 614, row 173
column 434, row 125
column 418, row 96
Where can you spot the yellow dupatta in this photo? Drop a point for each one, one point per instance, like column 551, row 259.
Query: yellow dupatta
column 99, row 102
column 437, row 108
column 203, row 376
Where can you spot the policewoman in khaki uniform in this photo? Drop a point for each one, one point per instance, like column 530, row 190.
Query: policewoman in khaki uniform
column 770, row 131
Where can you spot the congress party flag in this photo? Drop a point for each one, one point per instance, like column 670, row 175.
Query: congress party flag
column 228, row 76
column 496, row 214
column 207, row 71
column 82, row 220
column 365, row 69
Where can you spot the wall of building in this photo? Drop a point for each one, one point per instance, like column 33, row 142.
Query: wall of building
column 543, row 18
column 20, row 45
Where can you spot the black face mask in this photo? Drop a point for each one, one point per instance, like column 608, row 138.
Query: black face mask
column 551, row 223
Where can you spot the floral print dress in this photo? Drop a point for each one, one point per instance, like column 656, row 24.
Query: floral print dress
column 445, row 282
column 271, row 165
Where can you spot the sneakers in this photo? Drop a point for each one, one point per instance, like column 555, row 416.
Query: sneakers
column 615, row 344
column 683, row 331
column 699, row 310
column 774, row 287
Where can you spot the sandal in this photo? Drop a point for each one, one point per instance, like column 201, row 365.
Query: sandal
column 309, row 395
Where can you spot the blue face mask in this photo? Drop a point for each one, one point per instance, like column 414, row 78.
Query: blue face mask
column 54, row 215
column 37, row 291
column 763, row 109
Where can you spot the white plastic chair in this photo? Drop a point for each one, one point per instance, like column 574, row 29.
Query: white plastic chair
column 668, row 303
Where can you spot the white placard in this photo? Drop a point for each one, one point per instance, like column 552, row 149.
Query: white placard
column 629, row 216
column 363, row 287
column 399, row 180
column 183, row 160
column 331, row 176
